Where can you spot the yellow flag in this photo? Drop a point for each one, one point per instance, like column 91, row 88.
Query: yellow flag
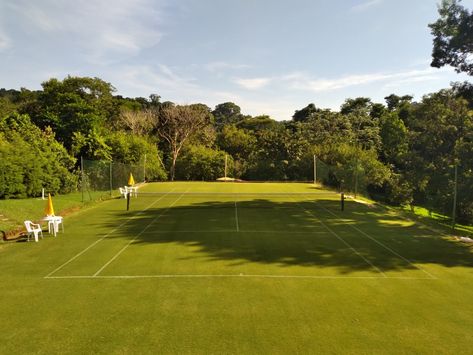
column 49, row 210
column 131, row 181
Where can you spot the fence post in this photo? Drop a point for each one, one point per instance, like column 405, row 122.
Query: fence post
column 111, row 179
column 454, row 212
column 315, row 170
column 82, row 176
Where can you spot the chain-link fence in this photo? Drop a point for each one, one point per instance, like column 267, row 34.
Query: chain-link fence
column 100, row 179
column 449, row 194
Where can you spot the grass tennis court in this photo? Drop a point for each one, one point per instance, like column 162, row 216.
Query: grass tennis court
column 237, row 268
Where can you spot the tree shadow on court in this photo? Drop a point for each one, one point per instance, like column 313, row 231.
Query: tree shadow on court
column 300, row 233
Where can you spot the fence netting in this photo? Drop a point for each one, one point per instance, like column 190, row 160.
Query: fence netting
column 100, row 179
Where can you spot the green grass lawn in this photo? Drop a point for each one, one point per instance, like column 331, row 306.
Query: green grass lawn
column 231, row 268
column 13, row 212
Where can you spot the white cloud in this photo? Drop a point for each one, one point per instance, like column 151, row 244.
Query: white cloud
column 145, row 80
column 4, row 41
column 366, row 5
column 218, row 66
column 301, row 82
column 100, row 28
column 253, row 83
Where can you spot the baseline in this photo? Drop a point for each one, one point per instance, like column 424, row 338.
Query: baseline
column 170, row 276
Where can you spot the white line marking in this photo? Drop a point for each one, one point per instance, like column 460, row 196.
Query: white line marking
column 169, row 276
column 133, row 239
column 99, row 240
column 236, row 218
column 381, row 244
column 315, row 231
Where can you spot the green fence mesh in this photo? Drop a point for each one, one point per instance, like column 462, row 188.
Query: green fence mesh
column 101, row 179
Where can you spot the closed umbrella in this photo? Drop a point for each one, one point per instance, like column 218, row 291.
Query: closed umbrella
column 49, row 210
column 131, row 181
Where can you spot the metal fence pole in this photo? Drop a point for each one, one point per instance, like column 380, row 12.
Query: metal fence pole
column 111, row 179
column 454, row 212
column 82, row 176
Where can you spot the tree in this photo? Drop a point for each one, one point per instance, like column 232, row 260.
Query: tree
column 75, row 105
column 394, row 101
column 359, row 105
column 176, row 124
column 440, row 131
column 394, row 138
column 140, row 122
column 202, row 163
column 304, row 114
column 453, row 37
column 31, row 159
column 227, row 113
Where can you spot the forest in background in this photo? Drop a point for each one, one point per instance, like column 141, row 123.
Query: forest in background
column 400, row 151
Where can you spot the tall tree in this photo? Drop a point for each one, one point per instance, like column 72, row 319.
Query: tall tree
column 75, row 105
column 304, row 114
column 453, row 37
column 227, row 113
column 176, row 124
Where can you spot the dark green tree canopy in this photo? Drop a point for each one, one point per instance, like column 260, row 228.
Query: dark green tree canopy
column 453, row 37
column 227, row 113
column 304, row 114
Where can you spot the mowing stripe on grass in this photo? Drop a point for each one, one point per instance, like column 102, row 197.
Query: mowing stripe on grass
column 99, row 240
column 379, row 243
column 236, row 218
column 132, row 240
column 331, row 231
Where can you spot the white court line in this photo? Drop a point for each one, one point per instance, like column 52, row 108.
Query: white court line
column 177, row 276
column 132, row 240
column 315, row 231
column 99, row 240
column 384, row 246
column 341, row 239
column 236, row 218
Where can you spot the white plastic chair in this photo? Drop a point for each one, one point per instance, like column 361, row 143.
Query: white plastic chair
column 123, row 191
column 132, row 190
column 34, row 230
column 53, row 224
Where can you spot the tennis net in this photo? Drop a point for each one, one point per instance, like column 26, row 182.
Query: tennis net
column 141, row 200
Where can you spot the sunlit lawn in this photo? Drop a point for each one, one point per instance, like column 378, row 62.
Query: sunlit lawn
column 238, row 268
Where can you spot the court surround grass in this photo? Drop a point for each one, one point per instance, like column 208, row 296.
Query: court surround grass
column 237, row 268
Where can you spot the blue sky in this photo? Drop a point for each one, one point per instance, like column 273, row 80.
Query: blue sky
column 268, row 56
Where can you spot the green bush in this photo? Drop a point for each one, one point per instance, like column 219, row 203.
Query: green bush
column 202, row 163
column 31, row 160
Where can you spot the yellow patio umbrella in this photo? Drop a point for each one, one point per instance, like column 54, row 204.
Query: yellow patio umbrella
column 131, row 181
column 49, row 210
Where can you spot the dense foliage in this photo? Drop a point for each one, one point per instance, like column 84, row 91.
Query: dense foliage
column 401, row 151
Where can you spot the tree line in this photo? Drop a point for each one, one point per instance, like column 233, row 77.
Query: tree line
column 400, row 151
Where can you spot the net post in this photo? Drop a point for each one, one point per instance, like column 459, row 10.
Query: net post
column 128, row 197
column 342, row 201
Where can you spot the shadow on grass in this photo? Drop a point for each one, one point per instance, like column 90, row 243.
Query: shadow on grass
column 286, row 233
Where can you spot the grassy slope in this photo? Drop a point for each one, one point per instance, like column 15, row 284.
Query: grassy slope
column 232, row 315
column 14, row 212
